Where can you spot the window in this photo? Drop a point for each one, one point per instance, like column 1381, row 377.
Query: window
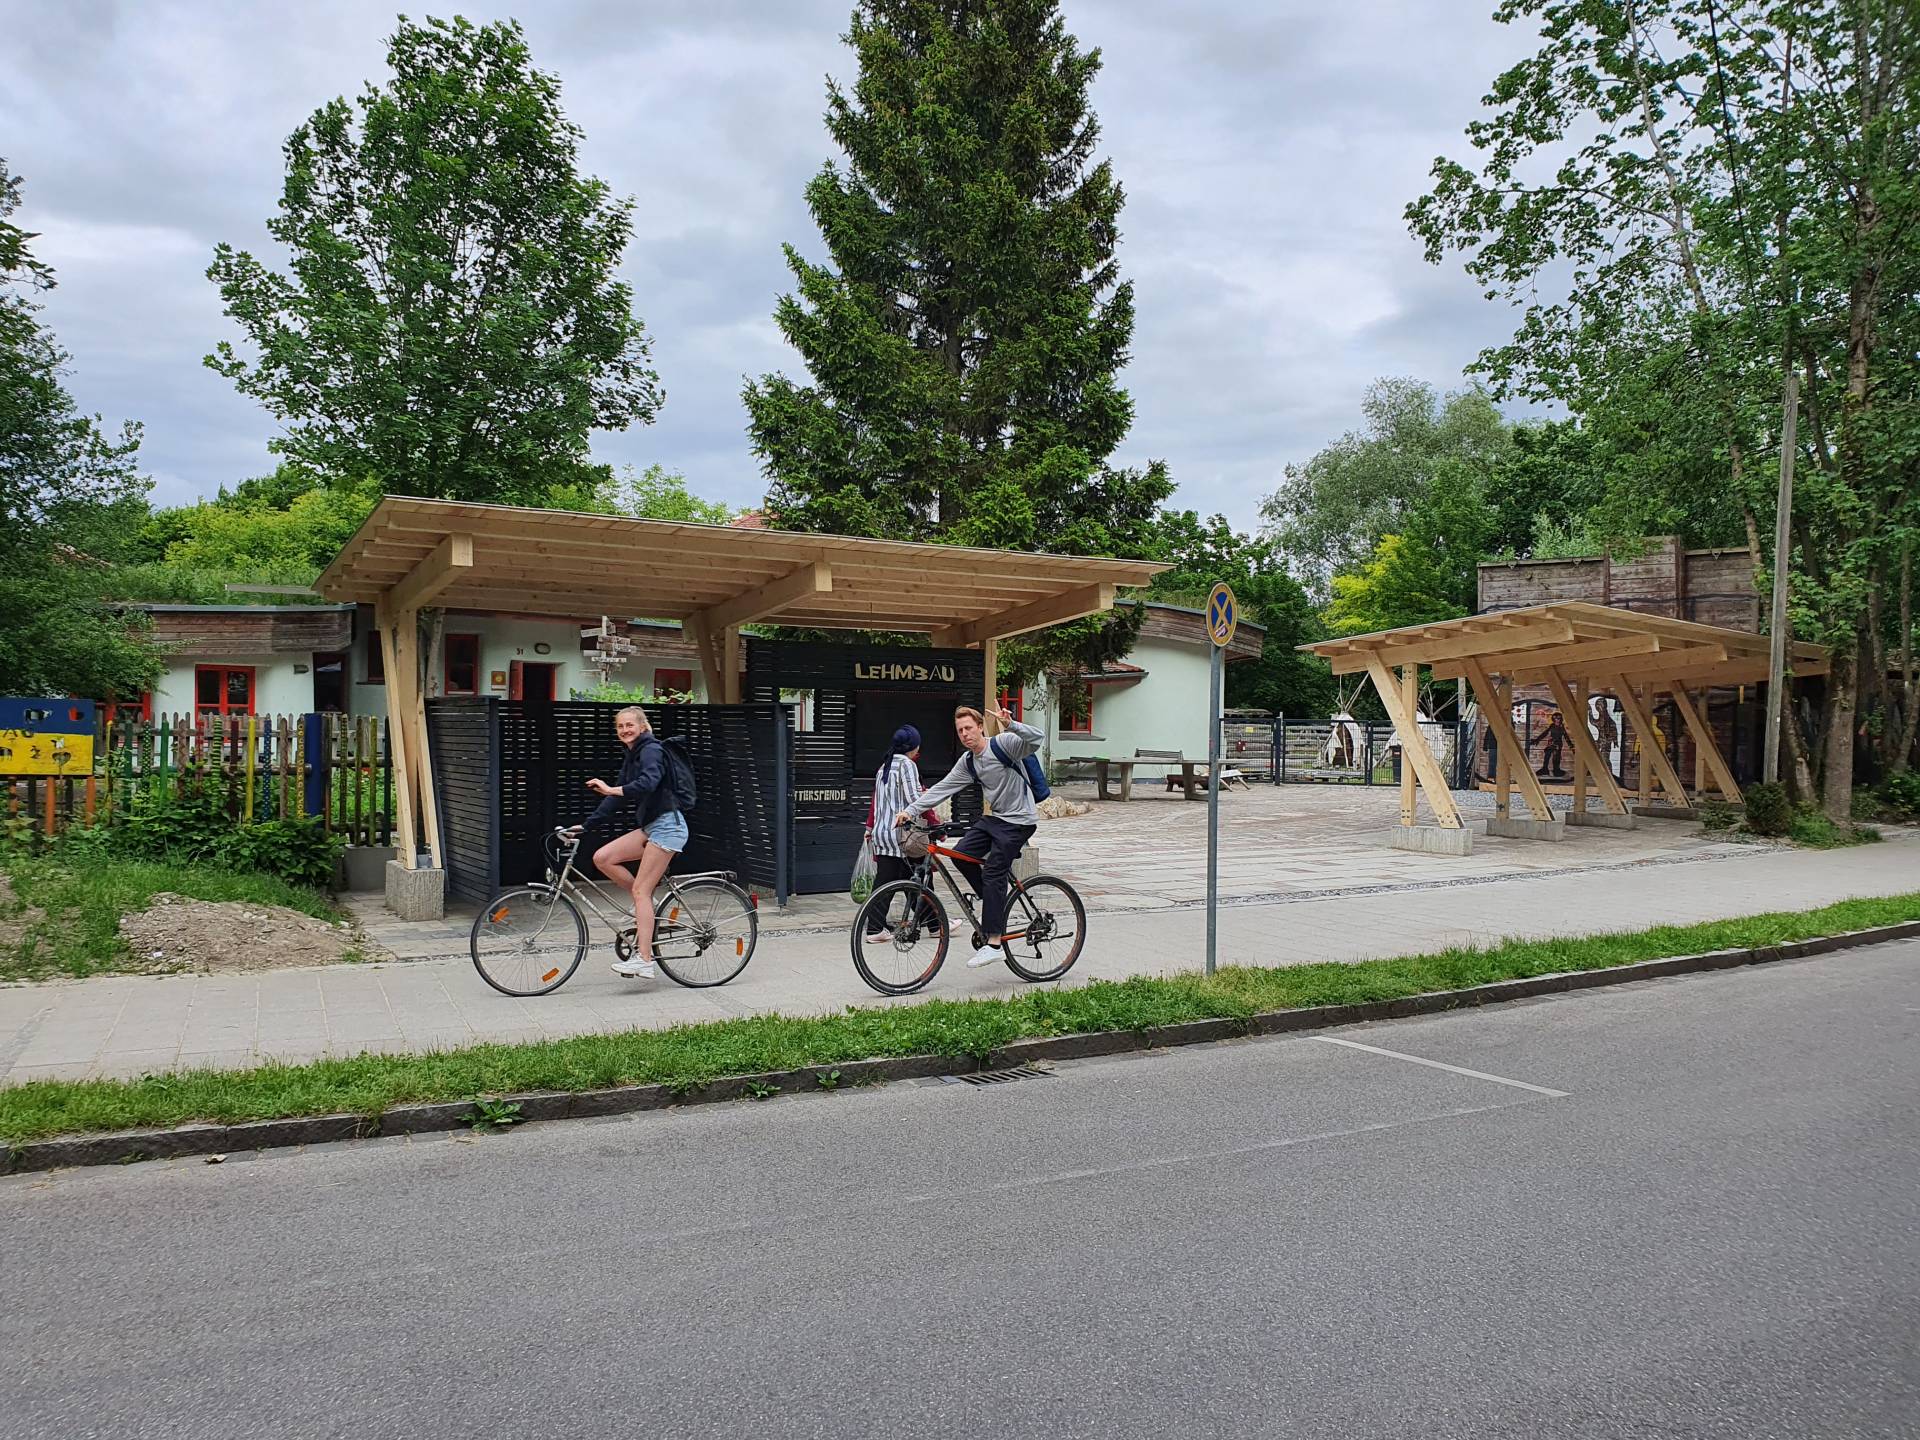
column 1014, row 702
column 463, row 665
column 1076, row 709
column 676, row 682
column 376, row 660
column 330, row 682
column 223, row 689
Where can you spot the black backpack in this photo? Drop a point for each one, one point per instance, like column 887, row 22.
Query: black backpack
column 679, row 777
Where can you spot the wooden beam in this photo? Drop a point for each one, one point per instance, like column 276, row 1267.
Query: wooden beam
column 1500, row 718
column 1706, row 750
column 1413, row 745
column 1452, row 647
column 730, row 658
column 1651, row 752
column 712, row 669
column 1562, row 657
column 1584, row 748
column 1579, row 764
column 1503, row 757
column 398, row 706
column 771, row 598
column 450, row 563
column 1036, row 615
column 1409, row 700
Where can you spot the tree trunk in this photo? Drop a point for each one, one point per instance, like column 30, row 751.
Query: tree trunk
column 1908, row 730
column 1842, row 699
column 1796, row 771
column 1875, row 698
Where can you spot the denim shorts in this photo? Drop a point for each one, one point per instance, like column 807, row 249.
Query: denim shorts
column 669, row 831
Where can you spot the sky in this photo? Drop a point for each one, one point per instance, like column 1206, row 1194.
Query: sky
column 1267, row 153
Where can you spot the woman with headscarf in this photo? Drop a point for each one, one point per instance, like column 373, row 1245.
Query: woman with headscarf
column 895, row 787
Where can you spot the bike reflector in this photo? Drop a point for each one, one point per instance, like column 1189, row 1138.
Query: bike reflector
column 739, row 944
column 500, row 914
column 673, row 914
column 549, row 975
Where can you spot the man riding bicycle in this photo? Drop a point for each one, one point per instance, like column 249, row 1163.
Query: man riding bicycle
column 997, row 837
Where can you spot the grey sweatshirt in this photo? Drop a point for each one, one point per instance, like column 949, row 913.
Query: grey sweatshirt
column 1005, row 785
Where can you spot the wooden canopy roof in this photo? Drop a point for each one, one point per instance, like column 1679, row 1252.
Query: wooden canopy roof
column 550, row 562
column 1576, row 640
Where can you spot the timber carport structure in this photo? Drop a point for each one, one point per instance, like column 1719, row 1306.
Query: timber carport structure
column 1577, row 650
column 412, row 553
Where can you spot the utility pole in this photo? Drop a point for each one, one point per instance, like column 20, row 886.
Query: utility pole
column 1782, row 554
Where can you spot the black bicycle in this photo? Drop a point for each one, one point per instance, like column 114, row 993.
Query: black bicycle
column 1051, row 922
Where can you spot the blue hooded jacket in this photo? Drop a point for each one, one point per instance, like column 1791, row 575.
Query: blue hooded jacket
column 643, row 781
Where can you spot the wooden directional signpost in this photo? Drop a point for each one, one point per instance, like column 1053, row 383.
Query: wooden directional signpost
column 1223, row 617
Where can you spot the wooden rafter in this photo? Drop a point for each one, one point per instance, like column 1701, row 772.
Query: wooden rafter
column 1413, row 744
column 1704, row 745
column 1650, row 752
column 1585, row 750
column 1037, row 615
column 1496, row 705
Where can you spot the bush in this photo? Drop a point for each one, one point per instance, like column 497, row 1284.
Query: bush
column 1900, row 794
column 1769, row 812
column 1717, row 815
column 179, row 827
column 1812, row 828
column 300, row 851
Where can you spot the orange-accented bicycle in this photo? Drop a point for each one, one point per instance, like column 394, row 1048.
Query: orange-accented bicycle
column 1046, row 923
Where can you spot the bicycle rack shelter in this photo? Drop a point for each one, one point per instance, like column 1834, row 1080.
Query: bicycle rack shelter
column 413, row 553
column 1577, row 650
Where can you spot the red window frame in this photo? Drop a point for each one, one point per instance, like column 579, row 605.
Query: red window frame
column 1014, row 702
column 468, row 648
column 678, row 681
column 1076, row 712
column 224, row 688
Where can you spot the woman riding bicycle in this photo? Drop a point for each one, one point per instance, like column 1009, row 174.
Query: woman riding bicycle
column 659, row 834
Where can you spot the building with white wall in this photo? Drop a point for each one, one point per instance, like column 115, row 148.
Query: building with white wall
column 1156, row 699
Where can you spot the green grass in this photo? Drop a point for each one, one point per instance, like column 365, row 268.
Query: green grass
column 83, row 902
column 966, row 1030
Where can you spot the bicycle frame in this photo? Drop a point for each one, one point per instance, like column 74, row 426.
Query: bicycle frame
column 581, row 887
column 931, row 866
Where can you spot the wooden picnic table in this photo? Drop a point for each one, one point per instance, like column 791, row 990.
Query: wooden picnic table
column 1192, row 776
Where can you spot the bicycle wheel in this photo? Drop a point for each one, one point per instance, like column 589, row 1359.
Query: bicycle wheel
column 705, row 934
column 1052, row 927
column 916, row 943
column 528, row 941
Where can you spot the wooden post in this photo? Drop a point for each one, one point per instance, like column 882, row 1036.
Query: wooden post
column 990, row 667
column 1579, row 760
column 1653, row 760
column 1409, row 791
column 1413, row 745
column 730, row 664
column 1498, row 702
column 400, row 687
column 1706, row 750
column 1584, row 747
column 1503, row 760
column 407, row 714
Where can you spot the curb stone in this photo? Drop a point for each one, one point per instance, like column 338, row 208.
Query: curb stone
column 125, row 1146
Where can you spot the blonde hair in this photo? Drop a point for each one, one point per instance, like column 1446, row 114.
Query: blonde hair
column 625, row 710
column 968, row 710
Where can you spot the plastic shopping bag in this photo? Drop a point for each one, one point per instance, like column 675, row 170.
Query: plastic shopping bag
column 864, row 870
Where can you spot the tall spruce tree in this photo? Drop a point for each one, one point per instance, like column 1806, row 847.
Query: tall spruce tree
column 963, row 340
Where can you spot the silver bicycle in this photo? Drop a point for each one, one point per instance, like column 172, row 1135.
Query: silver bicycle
column 530, row 939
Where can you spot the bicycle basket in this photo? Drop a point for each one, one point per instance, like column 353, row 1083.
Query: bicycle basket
column 913, row 839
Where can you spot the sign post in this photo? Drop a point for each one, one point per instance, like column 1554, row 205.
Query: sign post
column 1223, row 614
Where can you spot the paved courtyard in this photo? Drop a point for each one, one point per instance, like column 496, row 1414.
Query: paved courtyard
column 1306, row 875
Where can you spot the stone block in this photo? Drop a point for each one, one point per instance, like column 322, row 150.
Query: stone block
column 1601, row 820
column 1666, row 812
column 416, row 894
column 1432, row 839
column 1515, row 828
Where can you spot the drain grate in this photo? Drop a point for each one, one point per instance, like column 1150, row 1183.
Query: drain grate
column 998, row 1077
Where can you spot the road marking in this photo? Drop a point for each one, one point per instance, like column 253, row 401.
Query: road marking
column 1437, row 1065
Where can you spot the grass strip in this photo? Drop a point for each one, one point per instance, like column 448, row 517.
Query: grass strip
column 966, row 1030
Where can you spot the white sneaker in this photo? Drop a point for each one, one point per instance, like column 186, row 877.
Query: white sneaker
column 985, row 955
column 635, row 969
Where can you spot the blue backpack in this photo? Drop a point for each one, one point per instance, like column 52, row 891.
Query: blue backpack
column 1029, row 768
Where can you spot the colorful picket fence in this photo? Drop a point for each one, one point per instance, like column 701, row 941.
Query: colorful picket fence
column 265, row 767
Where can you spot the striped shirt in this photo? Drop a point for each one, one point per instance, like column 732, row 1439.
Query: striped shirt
column 892, row 793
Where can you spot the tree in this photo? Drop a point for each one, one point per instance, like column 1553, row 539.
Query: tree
column 69, row 494
column 1729, row 187
column 1203, row 553
column 1330, row 514
column 655, row 493
column 450, row 324
column 964, row 339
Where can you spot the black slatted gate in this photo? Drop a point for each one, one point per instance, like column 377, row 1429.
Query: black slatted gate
column 507, row 771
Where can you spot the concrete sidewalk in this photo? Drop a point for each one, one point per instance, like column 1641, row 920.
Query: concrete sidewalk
column 132, row 1025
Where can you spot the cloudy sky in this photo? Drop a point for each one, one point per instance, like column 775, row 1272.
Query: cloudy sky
column 1267, row 152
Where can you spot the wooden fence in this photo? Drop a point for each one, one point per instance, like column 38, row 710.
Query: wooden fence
column 264, row 767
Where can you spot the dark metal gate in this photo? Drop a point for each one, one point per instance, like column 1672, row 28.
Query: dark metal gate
column 507, row 771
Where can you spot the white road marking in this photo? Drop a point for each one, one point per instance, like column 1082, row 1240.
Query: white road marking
column 1437, row 1065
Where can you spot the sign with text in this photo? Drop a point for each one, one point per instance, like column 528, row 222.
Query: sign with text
column 42, row 736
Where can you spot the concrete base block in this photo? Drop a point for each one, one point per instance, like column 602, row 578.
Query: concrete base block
column 363, row 868
column 1602, row 820
column 1432, row 839
column 1666, row 812
column 1514, row 828
column 416, row 894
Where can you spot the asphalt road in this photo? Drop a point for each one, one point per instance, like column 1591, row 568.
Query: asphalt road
column 1713, row 1231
